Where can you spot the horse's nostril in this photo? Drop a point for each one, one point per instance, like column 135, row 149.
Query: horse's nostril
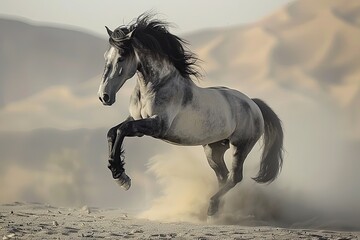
column 106, row 98
column 100, row 99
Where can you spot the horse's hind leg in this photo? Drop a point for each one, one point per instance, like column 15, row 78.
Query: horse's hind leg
column 215, row 156
column 241, row 150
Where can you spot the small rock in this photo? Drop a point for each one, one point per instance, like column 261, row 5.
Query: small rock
column 87, row 235
column 55, row 223
column 202, row 238
column 136, row 231
column 85, row 209
column 9, row 236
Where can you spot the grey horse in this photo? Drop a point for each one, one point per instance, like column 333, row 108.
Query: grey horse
column 168, row 105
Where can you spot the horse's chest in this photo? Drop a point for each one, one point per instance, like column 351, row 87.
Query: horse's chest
column 141, row 108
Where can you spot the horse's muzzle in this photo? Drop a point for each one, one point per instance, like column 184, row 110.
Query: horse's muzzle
column 105, row 99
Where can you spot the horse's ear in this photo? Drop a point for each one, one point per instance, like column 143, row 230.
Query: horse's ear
column 108, row 31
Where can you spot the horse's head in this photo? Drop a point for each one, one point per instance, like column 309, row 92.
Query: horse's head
column 120, row 64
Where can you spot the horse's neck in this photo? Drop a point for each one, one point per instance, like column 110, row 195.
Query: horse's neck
column 154, row 71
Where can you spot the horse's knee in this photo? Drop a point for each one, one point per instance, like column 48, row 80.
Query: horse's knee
column 111, row 134
column 118, row 132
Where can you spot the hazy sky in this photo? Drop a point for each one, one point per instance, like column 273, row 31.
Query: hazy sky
column 188, row 15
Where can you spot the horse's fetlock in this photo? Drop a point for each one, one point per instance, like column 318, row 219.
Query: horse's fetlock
column 237, row 178
column 213, row 206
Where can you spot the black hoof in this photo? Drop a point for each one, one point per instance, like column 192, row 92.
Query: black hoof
column 213, row 207
column 124, row 181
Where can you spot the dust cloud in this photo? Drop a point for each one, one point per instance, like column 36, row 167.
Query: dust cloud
column 317, row 188
column 187, row 183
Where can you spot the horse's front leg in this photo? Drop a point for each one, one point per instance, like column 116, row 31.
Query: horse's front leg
column 116, row 163
column 150, row 126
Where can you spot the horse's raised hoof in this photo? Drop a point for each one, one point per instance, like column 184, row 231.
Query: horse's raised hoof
column 213, row 207
column 124, row 181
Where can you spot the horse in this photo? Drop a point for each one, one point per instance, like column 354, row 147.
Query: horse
column 167, row 104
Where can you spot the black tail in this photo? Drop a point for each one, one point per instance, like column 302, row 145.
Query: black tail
column 272, row 157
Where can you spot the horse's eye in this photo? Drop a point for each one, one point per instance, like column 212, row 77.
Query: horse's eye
column 120, row 59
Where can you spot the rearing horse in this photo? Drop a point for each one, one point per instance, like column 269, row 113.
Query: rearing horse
column 166, row 104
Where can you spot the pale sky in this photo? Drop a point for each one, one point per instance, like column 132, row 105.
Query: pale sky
column 188, row 15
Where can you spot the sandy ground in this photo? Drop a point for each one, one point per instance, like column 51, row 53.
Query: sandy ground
column 39, row 221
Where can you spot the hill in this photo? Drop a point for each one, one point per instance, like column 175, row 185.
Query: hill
column 33, row 58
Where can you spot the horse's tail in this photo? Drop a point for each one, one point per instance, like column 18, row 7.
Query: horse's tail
column 272, row 156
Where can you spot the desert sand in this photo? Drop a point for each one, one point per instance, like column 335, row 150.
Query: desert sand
column 40, row 221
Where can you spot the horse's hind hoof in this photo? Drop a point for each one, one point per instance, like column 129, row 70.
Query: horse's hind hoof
column 124, row 181
column 211, row 219
column 213, row 207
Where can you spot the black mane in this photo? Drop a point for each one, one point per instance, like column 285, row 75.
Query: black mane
column 154, row 36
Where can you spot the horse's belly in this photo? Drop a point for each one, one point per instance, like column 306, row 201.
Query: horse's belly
column 193, row 128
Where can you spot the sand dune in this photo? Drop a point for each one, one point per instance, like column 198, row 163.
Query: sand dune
column 309, row 48
column 309, row 37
